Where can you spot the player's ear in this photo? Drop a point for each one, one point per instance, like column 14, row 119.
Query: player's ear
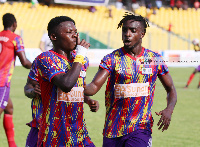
column 142, row 34
column 53, row 37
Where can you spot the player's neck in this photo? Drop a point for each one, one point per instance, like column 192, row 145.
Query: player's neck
column 135, row 51
column 9, row 29
column 63, row 53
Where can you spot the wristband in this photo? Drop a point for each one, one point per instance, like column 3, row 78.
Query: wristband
column 80, row 59
column 80, row 50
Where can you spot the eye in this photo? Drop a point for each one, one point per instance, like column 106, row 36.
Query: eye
column 133, row 30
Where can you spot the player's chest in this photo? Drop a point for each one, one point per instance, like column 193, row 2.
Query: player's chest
column 132, row 69
column 66, row 67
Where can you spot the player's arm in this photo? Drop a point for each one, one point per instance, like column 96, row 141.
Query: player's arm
column 93, row 104
column 165, row 119
column 32, row 88
column 24, row 61
column 19, row 46
column 66, row 81
column 97, row 82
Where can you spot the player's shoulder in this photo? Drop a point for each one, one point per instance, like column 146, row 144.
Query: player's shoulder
column 46, row 54
column 151, row 53
column 114, row 52
column 17, row 37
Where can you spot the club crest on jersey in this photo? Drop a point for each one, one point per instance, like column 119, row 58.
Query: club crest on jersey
column 146, row 70
column 83, row 73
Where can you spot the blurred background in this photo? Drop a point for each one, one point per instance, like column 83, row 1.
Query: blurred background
column 174, row 26
column 173, row 23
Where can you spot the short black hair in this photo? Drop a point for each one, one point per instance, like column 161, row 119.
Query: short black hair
column 131, row 16
column 8, row 20
column 54, row 22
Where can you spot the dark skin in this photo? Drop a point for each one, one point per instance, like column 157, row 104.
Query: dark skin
column 65, row 40
column 32, row 89
column 25, row 63
column 132, row 34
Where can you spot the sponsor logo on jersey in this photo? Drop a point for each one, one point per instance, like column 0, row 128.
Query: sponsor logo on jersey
column 75, row 95
column 131, row 90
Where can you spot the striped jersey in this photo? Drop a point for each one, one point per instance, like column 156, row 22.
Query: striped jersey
column 10, row 45
column 36, row 103
column 130, row 90
column 62, row 121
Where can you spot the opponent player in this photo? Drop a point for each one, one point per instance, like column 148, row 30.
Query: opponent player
column 130, row 88
column 60, row 72
column 11, row 45
column 32, row 90
column 197, row 69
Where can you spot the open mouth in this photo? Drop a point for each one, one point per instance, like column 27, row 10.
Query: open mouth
column 127, row 42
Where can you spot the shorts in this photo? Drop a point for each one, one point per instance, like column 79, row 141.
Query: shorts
column 137, row 138
column 198, row 68
column 32, row 137
column 90, row 145
column 4, row 96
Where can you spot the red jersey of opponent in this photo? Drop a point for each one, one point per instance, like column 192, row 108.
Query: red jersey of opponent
column 10, row 45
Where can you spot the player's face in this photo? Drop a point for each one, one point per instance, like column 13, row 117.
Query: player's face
column 132, row 33
column 67, row 36
column 14, row 26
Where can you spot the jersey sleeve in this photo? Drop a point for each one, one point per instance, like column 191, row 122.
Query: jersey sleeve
column 48, row 67
column 86, row 65
column 106, row 63
column 162, row 67
column 33, row 74
column 18, row 44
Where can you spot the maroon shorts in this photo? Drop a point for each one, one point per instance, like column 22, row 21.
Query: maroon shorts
column 4, row 96
column 32, row 137
column 138, row 138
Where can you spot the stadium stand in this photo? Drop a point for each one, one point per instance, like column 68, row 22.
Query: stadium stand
column 99, row 26
column 185, row 25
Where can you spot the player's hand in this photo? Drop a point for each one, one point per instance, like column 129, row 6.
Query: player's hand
column 37, row 90
column 82, row 42
column 94, row 105
column 165, row 119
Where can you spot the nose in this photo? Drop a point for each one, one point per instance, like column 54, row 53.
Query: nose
column 127, row 33
column 75, row 34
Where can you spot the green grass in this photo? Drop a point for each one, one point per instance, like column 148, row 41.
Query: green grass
column 184, row 130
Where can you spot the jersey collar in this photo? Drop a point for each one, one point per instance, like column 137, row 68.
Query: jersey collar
column 125, row 53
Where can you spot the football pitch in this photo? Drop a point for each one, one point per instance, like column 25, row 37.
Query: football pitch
column 184, row 130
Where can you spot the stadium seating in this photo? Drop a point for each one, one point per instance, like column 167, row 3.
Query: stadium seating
column 32, row 23
column 185, row 23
